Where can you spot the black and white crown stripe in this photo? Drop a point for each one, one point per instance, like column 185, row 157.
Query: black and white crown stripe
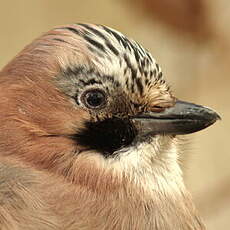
column 110, row 45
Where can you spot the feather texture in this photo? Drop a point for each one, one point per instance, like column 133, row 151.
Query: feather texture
column 51, row 180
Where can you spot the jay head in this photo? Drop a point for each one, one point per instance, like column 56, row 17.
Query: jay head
column 86, row 103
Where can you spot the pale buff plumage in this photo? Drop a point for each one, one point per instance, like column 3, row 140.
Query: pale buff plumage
column 46, row 184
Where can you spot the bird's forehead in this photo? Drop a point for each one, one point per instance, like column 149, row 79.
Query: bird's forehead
column 111, row 54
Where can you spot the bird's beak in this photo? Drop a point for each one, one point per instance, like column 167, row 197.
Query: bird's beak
column 182, row 118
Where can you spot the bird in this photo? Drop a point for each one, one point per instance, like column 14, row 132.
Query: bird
column 90, row 136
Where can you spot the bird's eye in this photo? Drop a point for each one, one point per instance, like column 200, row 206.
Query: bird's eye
column 94, row 98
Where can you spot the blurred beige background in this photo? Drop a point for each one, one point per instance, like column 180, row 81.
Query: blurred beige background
column 191, row 41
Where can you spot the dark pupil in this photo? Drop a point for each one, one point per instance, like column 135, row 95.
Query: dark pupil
column 95, row 98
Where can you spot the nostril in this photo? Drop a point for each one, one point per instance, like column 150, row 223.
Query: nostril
column 157, row 108
column 161, row 106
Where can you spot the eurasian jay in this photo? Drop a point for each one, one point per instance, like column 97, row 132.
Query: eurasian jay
column 88, row 136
